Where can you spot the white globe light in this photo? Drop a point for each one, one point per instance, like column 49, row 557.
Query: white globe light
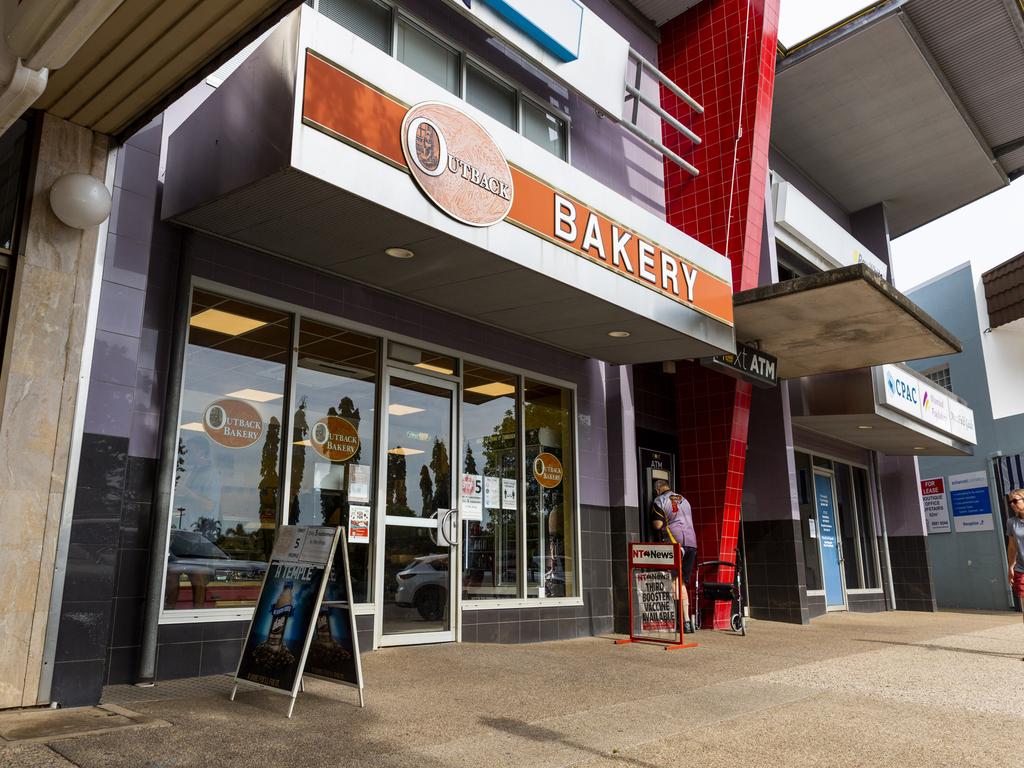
column 80, row 200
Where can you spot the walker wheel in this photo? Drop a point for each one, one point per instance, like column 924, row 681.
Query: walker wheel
column 737, row 624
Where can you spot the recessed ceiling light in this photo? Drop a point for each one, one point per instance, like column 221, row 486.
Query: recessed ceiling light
column 404, row 451
column 864, row 426
column 256, row 395
column 399, row 253
column 397, row 409
column 918, row 447
column 193, row 426
column 227, row 323
column 619, row 334
column 435, row 368
column 493, row 389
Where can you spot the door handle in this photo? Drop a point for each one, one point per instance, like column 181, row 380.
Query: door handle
column 447, row 527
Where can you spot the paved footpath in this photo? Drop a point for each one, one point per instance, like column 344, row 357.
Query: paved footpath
column 895, row 689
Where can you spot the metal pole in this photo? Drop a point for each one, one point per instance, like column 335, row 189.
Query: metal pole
column 165, row 472
column 885, row 531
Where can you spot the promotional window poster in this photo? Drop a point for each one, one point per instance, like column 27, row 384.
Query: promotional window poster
column 334, row 653
column 280, row 624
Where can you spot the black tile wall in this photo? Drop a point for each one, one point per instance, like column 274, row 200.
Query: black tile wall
column 911, row 574
column 542, row 623
column 775, row 571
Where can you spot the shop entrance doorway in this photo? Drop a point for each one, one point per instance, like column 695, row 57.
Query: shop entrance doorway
column 416, row 548
column 828, row 537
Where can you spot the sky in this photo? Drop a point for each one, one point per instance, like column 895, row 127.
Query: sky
column 987, row 232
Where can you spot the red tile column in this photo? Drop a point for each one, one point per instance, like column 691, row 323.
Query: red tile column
column 721, row 52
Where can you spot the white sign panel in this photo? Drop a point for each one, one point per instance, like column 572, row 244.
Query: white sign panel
column 359, row 483
column 902, row 392
column 961, row 421
column 472, row 507
column 655, row 601
column 653, row 554
column 358, row 524
column 492, row 492
column 936, row 511
column 971, row 503
column 508, row 493
column 935, row 408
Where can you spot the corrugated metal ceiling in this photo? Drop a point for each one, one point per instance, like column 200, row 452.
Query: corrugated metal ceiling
column 980, row 50
column 145, row 52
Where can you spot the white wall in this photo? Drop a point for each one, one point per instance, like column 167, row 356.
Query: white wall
column 986, row 233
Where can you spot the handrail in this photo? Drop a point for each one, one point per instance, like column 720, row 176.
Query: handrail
column 633, row 94
column 662, row 78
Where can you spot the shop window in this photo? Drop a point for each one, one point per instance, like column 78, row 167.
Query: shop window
column 550, row 491
column 225, row 503
column 490, row 428
column 808, row 521
column 491, row 96
column 544, row 129
column 867, row 542
column 940, row 376
column 856, row 526
column 429, row 56
column 444, row 64
column 366, row 18
column 333, row 450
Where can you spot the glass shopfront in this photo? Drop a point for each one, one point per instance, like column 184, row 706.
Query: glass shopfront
column 455, row 480
column 838, row 524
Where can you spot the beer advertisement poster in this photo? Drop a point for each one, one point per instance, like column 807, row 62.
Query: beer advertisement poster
column 288, row 607
column 334, row 653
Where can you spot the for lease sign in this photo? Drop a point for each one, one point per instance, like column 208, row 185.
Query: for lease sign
column 936, row 510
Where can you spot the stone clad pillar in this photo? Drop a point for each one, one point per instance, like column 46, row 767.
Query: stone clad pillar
column 39, row 381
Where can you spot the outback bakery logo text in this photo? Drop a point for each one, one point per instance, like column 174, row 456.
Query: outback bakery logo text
column 457, row 164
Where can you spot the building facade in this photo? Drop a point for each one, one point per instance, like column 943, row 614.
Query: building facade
column 460, row 282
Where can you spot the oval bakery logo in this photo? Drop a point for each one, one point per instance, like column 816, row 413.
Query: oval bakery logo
column 232, row 423
column 457, row 164
column 334, row 438
column 547, row 470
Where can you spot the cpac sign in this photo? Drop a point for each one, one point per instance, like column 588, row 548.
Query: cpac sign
column 457, row 164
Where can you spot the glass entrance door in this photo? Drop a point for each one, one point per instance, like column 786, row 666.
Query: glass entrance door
column 828, row 535
column 417, row 549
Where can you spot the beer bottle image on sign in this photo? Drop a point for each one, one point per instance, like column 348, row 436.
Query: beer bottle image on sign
column 279, row 616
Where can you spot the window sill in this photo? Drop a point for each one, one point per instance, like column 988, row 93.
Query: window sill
column 530, row 602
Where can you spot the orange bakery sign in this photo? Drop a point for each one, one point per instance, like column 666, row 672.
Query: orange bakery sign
column 459, row 168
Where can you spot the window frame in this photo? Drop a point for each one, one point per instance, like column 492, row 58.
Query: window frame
column 465, row 58
column 297, row 313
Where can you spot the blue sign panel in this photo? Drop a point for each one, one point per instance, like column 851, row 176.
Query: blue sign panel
column 832, row 569
column 557, row 27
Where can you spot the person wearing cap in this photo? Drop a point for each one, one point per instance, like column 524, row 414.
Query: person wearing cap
column 673, row 519
column 1015, row 536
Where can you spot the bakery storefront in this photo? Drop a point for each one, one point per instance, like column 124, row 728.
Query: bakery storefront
column 403, row 318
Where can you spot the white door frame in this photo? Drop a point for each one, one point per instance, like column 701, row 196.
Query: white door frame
column 381, row 639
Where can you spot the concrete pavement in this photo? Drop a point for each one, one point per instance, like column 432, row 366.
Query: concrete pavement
column 901, row 689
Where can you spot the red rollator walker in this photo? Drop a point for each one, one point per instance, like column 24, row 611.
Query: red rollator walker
column 721, row 591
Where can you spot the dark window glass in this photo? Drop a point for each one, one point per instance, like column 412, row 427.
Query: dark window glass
column 808, row 521
column 428, row 56
column 333, row 449
column 867, row 543
column 366, row 18
column 490, row 95
column 550, row 492
column 490, row 492
column 227, row 479
column 12, row 160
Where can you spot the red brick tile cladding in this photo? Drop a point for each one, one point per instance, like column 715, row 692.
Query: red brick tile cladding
column 721, row 52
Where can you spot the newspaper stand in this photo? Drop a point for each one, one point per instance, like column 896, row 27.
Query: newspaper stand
column 655, row 579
